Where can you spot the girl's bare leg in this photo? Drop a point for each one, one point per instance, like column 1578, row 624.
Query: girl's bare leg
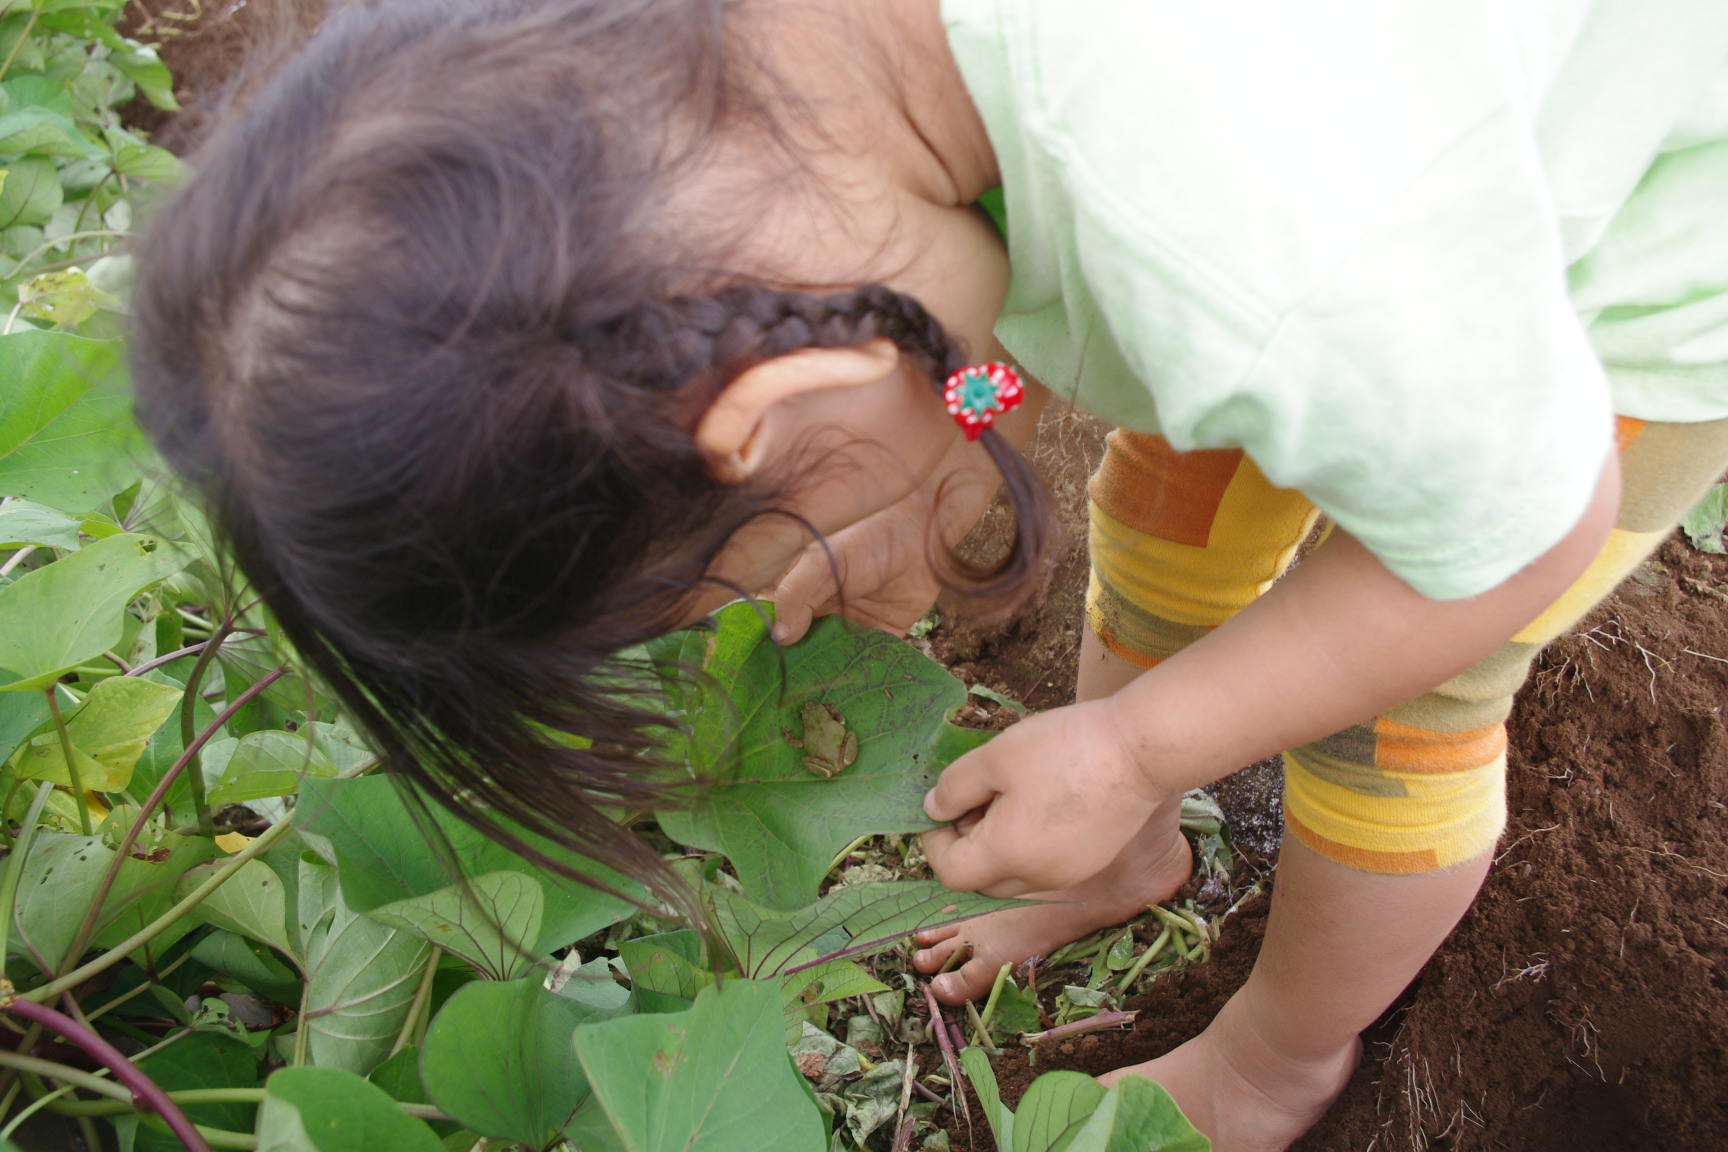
column 1150, row 869
column 1340, row 947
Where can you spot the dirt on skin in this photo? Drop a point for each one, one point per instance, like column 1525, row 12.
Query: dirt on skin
column 1581, row 1004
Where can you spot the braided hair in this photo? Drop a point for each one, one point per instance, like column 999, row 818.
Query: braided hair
column 413, row 337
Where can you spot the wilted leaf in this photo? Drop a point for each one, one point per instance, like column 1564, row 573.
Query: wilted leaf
column 65, row 299
column 107, row 732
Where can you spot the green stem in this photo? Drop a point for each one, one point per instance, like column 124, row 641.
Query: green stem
column 168, row 658
column 135, row 1082
column 215, row 1096
column 71, row 764
column 20, row 853
column 979, row 1030
column 302, row 1038
column 76, row 1077
column 847, row 851
column 29, row 27
column 990, row 1006
column 217, row 1138
column 165, row 921
column 1176, row 921
column 189, row 724
column 59, row 240
column 141, row 989
column 414, row 1027
column 31, row 1109
column 1152, row 951
column 87, row 928
column 184, row 1096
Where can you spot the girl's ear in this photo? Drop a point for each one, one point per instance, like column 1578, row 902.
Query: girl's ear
column 745, row 422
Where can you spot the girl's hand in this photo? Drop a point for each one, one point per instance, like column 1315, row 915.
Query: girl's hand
column 881, row 564
column 1047, row 804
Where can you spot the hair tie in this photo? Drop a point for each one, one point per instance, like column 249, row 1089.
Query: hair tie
column 977, row 393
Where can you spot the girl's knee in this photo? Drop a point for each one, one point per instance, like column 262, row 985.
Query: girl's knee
column 1390, row 798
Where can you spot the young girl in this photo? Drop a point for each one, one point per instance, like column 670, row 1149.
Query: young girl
column 504, row 334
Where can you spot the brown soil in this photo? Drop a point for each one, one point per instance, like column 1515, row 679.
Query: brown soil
column 1581, row 1003
column 203, row 43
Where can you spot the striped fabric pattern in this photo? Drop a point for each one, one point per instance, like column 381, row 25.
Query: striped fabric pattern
column 1183, row 541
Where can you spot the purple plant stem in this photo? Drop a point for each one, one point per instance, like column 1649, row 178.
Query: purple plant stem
column 1080, row 1027
column 168, row 658
column 144, row 1089
column 946, row 1043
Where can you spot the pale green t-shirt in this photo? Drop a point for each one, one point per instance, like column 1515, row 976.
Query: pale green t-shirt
column 1411, row 255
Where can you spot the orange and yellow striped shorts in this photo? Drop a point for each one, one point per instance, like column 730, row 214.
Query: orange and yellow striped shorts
column 1182, row 541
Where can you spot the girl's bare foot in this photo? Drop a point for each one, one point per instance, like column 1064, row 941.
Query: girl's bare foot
column 1241, row 1094
column 1150, row 869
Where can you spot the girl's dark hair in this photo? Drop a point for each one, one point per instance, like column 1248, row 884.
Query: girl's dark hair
column 413, row 335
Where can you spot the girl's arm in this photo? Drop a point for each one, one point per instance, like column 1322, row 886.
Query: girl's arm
column 1337, row 641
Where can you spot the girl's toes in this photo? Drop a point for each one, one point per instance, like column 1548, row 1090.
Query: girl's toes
column 931, row 959
column 930, row 937
column 971, row 981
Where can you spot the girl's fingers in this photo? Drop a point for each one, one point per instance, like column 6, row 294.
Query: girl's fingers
column 807, row 587
column 958, row 861
column 964, row 785
column 969, row 864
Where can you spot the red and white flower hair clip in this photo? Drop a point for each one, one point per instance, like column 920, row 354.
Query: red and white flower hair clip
column 978, row 393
